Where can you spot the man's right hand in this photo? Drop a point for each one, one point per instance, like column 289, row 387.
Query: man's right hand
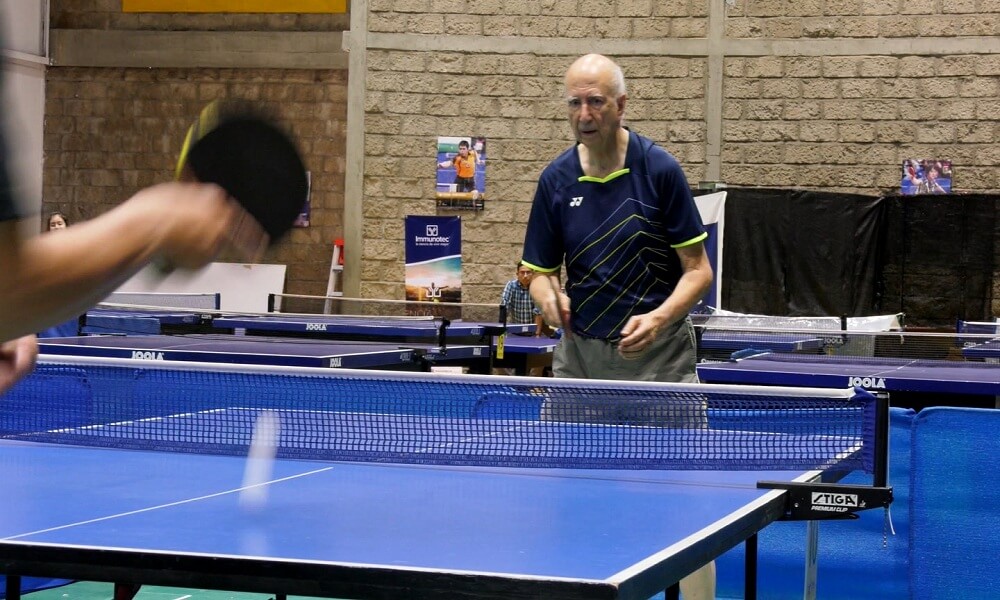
column 17, row 359
column 554, row 304
column 198, row 221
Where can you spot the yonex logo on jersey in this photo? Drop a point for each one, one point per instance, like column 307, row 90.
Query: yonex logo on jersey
column 576, row 201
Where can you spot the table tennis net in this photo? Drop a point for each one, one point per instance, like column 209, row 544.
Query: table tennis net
column 432, row 419
column 385, row 309
column 205, row 301
column 727, row 319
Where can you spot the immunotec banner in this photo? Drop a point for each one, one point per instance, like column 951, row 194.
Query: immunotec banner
column 434, row 258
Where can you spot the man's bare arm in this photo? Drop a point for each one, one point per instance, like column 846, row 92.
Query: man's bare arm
column 641, row 330
column 49, row 278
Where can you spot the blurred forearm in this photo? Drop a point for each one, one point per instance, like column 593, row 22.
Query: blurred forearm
column 49, row 278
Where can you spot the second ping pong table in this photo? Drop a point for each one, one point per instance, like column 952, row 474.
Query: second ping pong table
column 732, row 341
column 360, row 327
column 524, row 353
column 142, row 322
column 462, row 336
column 986, row 351
column 221, row 348
column 923, row 382
column 157, row 320
column 365, row 529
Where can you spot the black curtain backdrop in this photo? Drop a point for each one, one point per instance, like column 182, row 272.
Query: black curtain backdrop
column 941, row 258
column 803, row 253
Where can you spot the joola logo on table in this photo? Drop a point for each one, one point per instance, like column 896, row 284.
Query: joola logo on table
column 146, row 355
column 315, row 326
column 869, row 383
column 825, row 501
column 336, row 362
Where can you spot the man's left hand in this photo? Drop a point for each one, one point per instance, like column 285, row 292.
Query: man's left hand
column 639, row 333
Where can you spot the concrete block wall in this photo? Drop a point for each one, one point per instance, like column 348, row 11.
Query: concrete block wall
column 110, row 131
column 820, row 94
column 847, row 123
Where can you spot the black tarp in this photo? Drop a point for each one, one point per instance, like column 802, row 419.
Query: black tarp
column 803, row 253
column 940, row 257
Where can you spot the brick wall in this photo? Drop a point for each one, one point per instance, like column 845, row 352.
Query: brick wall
column 861, row 18
column 847, row 123
column 112, row 131
column 823, row 94
column 801, row 104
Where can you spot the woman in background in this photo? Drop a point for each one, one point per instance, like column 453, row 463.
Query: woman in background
column 57, row 220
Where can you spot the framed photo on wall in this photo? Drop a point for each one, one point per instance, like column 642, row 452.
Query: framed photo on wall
column 926, row 176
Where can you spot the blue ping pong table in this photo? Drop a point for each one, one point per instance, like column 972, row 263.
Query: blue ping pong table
column 939, row 381
column 346, row 325
column 221, row 348
column 985, row 351
column 464, row 336
column 142, row 322
column 368, row 530
column 138, row 321
column 732, row 341
column 523, row 353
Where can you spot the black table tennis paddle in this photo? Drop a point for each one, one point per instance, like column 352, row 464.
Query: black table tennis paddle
column 241, row 148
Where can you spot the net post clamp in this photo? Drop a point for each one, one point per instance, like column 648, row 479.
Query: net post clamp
column 826, row 501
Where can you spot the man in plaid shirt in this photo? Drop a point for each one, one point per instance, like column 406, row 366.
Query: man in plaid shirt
column 520, row 307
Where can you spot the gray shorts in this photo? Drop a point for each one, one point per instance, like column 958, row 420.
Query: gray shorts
column 671, row 358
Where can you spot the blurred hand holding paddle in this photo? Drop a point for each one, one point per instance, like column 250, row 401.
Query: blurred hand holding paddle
column 196, row 222
column 241, row 149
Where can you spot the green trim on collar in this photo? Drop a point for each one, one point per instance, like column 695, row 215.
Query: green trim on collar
column 618, row 173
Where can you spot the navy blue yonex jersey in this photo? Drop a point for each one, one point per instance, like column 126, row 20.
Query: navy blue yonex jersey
column 616, row 234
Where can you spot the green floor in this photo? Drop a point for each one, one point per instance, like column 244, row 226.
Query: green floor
column 87, row 590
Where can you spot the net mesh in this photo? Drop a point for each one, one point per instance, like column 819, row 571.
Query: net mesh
column 367, row 307
column 726, row 319
column 721, row 333
column 435, row 419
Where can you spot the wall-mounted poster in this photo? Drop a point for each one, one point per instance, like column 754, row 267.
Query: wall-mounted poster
column 303, row 219
column 926, row 176
column 461, row 172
